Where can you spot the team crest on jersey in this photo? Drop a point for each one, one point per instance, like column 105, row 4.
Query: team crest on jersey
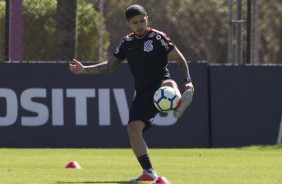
column 148, row 46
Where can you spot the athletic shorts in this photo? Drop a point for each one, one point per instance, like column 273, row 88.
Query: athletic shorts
column 143, row 107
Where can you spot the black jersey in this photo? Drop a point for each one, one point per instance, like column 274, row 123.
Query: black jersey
column 147, row 57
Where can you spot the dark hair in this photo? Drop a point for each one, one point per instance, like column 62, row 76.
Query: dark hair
column 134, row 10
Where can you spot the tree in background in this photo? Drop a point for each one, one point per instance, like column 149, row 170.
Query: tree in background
column 87, row 32
column 39, row 30
column 49, row 36
column 2, row 31
column 66, row 30
column 198, row 27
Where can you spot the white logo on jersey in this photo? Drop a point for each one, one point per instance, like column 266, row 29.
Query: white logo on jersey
column 165, row 44
column 129, row 38
column 148, row 46
column 158, row 37
column 151, row 34
column 118, row 47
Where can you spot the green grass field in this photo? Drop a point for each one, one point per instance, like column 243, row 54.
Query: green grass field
column 255, row 164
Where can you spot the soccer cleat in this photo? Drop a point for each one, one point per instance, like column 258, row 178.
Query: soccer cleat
column 147, row 175
column 186, row 100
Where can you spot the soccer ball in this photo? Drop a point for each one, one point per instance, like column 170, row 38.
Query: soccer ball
column 166, row 99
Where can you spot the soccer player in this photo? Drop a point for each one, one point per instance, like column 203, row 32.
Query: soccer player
column 147, row 51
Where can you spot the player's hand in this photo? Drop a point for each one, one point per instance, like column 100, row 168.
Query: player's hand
column 189, row 85
column 76, row 67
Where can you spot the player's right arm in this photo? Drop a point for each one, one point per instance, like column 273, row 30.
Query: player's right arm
column 77, row 67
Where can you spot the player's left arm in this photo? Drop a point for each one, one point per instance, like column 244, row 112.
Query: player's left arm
column 177, row 56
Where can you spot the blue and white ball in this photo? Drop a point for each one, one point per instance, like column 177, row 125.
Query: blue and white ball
column 166, row 99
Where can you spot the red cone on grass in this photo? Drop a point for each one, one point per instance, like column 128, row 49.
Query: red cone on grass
column 73, row 165
column 161, row 180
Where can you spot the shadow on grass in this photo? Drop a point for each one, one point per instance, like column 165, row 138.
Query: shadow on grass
column 117, row 182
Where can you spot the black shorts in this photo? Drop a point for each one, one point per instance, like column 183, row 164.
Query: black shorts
column 143, row 107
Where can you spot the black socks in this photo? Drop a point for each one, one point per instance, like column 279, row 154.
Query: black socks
column 145, row 162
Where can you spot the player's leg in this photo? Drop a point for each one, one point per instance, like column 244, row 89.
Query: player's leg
column 141, row 116
column 140, row 149
column 135, row 133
